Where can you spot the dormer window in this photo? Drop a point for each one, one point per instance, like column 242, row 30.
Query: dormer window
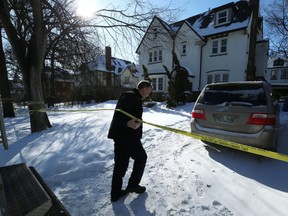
column 222, row 17
column 278, row 62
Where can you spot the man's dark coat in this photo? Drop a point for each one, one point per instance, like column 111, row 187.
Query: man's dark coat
column 130, row 102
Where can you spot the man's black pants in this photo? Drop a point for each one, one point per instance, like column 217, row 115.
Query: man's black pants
column 123, row 150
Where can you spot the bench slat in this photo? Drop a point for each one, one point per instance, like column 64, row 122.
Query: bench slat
column 24, row 195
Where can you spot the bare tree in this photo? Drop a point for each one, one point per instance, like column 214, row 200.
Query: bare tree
column 276, row 18
column 29, row 44
column 29, row 50
column 68, row 43
column 27, row 25
column 125, row 27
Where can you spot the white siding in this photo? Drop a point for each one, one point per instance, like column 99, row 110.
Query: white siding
column 162, row 41
column 190, row 60
column 234, row 62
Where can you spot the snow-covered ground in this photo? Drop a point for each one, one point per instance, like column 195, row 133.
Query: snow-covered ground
column 183, row 176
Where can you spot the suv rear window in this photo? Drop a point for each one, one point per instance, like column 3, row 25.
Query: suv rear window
column 236, row 95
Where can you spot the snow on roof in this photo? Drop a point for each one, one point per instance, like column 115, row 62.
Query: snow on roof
column 99, row 64
column 203, row 23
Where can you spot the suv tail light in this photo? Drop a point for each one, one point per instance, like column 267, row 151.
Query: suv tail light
column 198, row 114
column 262, row 119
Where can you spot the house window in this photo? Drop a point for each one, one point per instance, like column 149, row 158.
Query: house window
column 223, row 46
column 215, row 47
column 155, row 56
column 222, row 17
column 209, row 79
column 225, row 78
column 274, row 75
column 150, row 56
column 284, row 74
column 217, row 77
column 153, row 82
column 160, row 55
column 219, row 46
column 184, row 48
column 158, row 84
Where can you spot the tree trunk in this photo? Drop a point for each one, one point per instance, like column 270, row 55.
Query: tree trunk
column 30, row 60
column 36, row 52
column 251, row 67
column 52, row 81
column 8, row 110
column 38, row 117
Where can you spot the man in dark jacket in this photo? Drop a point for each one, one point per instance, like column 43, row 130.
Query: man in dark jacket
column 126, row 133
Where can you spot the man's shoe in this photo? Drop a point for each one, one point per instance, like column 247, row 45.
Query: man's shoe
column 137, row 189
column 115, row 197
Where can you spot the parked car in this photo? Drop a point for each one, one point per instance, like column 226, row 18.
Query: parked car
column 242, row 112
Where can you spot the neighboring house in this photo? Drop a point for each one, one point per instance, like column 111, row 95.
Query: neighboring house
column 130, row 76
column 277, row 74
column 107, row 72
column 220, row 45
column 58, row 85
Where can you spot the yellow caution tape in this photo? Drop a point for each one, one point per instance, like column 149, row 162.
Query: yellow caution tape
column 230, row 144
column 234, row 145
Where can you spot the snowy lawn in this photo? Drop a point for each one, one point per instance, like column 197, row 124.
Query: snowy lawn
column 183, row 176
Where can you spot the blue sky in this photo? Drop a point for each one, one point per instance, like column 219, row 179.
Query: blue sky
column 188, row 7
column 193, row 7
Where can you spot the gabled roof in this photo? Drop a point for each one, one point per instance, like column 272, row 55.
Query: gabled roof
column 165, row 26
column 191, row 27
column 203, row 24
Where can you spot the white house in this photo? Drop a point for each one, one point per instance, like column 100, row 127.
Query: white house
column 223, row 44
column 277, row 74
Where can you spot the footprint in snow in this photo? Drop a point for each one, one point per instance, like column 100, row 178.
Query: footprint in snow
column 216, row 209
column 199, row 186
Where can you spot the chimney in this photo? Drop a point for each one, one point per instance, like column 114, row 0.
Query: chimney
column 108, row 65
column 108, row 58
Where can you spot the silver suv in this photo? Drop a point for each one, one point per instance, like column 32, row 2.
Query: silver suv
column 243, row 112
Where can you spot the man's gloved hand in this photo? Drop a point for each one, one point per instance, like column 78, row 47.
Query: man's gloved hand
column 133, row 123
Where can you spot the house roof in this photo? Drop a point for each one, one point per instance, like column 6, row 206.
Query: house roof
column 203, row 24
column 99, row 64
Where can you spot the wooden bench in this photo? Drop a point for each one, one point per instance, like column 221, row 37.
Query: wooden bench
column 24, row 192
